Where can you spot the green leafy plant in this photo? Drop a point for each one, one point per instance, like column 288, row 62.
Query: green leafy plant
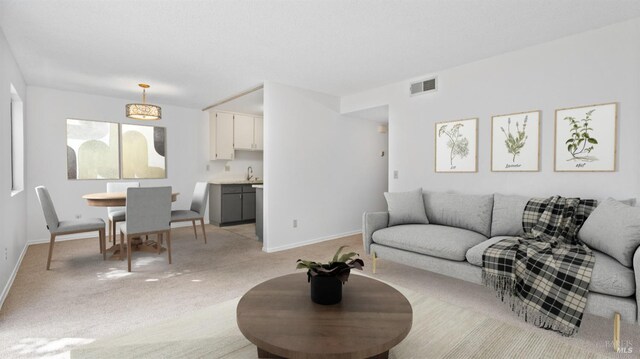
column 458, row 144
column 340, row 266
column 515, row 143
column 581, row 141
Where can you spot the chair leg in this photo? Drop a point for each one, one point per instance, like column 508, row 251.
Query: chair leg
column 121, row 242
column 100, row 241
column 616, row 332
column 53, row 239
column 204, row 233
column 374, row 259
column 195, row 233
column 129, row 253
column 110, row 239
column 103, row 243
column 169, row 245
column 113, row 230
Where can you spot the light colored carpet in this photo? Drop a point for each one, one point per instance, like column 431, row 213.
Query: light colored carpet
column 83, row 299
column 440, row 330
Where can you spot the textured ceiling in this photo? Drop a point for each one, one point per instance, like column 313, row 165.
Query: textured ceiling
column 195, row 53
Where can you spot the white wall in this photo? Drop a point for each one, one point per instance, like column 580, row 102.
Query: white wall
column 321, row 168
column 47, row 111
column 598, row 66
column 12, row 208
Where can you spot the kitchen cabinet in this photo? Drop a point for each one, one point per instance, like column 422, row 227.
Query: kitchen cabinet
column 247, row 132
column 231, row 204
column 221, row 136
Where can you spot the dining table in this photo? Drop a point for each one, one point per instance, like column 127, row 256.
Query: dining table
column 119, row 199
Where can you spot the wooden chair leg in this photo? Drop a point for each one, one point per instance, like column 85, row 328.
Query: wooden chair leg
column 121, row 242
column 110, row 239
column 374, row 259
column 204, row 233
column 53, row 239
column 129, row 252
column 113, row 230
column 169, row 245
column 103, row 243
column 100, row 241
column 616, row 332
column 195, row 232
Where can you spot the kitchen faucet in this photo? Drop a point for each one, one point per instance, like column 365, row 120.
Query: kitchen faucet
column 249, row 173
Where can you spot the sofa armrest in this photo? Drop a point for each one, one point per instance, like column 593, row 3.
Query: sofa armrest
column 371, row 222
column 636, row 271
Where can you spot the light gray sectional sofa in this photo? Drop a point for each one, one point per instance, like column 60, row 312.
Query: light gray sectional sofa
column 460, row 227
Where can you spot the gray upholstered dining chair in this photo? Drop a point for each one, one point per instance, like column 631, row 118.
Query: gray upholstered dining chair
column 59, row 228
column 117, row 214
column 148, row 211
column 196, row 212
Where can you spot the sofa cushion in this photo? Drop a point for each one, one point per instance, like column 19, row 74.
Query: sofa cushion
column 614, row 229
column 470, row 212
column 611, row 277
column 474, row 254
column 406, row 207
column 430, row 239
column 608, row 275
column 507, row 215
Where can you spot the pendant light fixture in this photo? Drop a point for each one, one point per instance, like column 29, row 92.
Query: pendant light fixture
column 143, row 111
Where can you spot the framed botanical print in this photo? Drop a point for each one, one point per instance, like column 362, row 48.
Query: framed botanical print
column 515, row 142
column 456, row 146
column 585, row 138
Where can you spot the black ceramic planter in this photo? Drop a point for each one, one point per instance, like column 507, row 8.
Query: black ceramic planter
column 326, row 290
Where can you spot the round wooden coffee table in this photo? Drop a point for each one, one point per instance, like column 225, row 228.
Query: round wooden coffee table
column 279, row 317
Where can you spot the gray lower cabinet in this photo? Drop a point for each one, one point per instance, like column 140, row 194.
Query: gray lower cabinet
column 231, row 203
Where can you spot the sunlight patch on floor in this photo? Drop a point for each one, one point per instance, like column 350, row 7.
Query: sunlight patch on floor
column 48, row 347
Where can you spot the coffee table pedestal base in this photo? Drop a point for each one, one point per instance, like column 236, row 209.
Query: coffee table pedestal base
column 265, row 354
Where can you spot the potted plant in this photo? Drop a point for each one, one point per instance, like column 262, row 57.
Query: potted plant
column 327, row 278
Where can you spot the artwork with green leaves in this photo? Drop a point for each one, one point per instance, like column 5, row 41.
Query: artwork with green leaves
column 456, row 146
column 585, row 138
column 515, row 140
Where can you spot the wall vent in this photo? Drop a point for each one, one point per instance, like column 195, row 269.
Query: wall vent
column 424, row 86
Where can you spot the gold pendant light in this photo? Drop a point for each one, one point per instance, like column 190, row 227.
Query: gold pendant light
column 143, row 111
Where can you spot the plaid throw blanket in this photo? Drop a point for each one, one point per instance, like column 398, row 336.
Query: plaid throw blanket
column 544, row 275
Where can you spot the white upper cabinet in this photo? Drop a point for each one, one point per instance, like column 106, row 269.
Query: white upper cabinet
column 243, row 129
column 258, row 136
column 221, row 136
column 233, row 131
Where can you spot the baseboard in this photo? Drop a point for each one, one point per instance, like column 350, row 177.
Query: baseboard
column 71, row 237
column 7, row 287
column 311, row 241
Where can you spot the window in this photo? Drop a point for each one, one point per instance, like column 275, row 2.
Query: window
column 17, row 142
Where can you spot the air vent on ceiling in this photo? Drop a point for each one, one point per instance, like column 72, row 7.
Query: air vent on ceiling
column 421, row 87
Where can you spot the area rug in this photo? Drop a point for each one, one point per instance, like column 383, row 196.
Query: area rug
column 440, row 330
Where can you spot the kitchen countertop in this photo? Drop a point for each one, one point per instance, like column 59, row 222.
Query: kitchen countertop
column 236, row 181
column 261, row 186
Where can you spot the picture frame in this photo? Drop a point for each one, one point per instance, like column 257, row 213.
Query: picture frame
column 143, row 152
column 93, row 149
column 585, row 138
column 456, row 146
column 515, row 142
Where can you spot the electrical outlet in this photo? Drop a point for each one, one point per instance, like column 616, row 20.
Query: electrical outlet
column 395, row 174
column 78, row 216
column 295, row 223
